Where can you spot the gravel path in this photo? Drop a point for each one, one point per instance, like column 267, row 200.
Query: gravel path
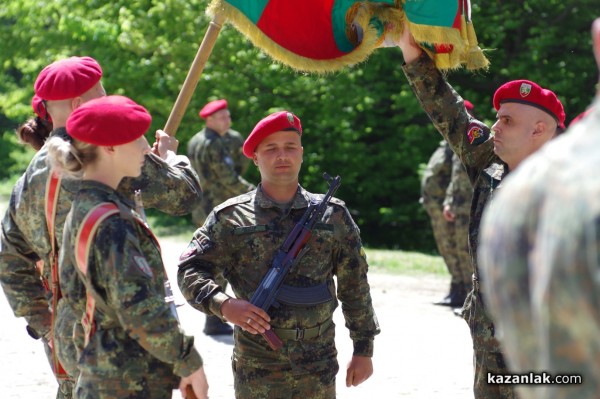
column 423, row 351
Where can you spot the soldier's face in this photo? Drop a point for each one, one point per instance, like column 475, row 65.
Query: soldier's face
column 130, row 157
column 220, row 121
column 279, row 157
column 514, row 132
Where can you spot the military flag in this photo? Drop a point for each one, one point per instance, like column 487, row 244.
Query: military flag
column 327, row 35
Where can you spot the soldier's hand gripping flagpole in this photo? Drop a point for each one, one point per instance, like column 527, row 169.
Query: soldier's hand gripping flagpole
column 193, row 76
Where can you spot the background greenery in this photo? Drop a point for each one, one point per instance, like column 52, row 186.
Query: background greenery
column 362, row 123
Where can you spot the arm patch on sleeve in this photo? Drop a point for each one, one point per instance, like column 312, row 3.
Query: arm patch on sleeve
column 196, row 247
column 476, row 133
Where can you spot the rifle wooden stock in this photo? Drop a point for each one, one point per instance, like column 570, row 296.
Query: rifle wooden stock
column 273, row 340
column 189, row 393
column 193, row 76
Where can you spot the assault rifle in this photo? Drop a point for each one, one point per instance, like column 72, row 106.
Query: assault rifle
column 288, row 255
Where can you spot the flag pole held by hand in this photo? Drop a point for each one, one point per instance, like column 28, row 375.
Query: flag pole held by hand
column 193, row 76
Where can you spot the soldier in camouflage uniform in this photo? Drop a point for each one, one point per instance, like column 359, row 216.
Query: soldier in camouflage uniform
column 239, row 240
column 528, row 116
column 169, row 185
column 216, row 155
column 434, row 185
column 539, row 260
column 134, row 347
column 457, row 207
column 446, row 196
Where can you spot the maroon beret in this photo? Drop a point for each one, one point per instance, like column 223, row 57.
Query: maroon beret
column 530, row 93
column 273, row 123
column 67, row 78
column 108, row 121
column 40, row 108
column 468, row 105
column 212, row 107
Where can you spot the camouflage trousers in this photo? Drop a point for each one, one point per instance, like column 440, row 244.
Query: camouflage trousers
column 91, row 387
column 444, row 233
column 301, row 369
column 65, row 387
column 253, row 383
column 487, row 354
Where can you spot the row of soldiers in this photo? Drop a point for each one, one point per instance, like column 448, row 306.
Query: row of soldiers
column 81, row 265
column 104, row 306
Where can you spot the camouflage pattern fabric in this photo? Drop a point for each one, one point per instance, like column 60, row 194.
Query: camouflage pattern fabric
column 434, row 184
column 459, row 195
column 218, row 162
column 173, row 189
column 539, row 260
column 234, row 141
column 471, row 142
column 238, row 241
column 138, row 348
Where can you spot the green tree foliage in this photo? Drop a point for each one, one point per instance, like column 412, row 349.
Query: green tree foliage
column 362, row 123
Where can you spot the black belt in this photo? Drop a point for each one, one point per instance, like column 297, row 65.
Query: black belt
column 299, row 334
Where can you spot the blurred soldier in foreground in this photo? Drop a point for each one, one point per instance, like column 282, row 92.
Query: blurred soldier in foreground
column 540, row 260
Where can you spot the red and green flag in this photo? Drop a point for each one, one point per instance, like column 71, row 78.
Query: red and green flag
column 327, row 35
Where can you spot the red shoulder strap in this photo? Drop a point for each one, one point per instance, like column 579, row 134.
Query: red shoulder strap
column 50, row 204
column 83, row 244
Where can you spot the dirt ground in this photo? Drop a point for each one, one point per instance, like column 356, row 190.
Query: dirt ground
column 423, row 351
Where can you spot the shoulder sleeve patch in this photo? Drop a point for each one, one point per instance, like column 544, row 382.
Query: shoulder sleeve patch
column 196, row 247
column 477, row 133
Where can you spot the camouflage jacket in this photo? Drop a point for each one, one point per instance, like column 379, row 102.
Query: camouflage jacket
column 539, row 261
column 217, row 166
column 459, row 193
column 235, row 142
column 239, row 240
column 469, row 138
column 436, row 177
column 173, row 189
column 137, row 335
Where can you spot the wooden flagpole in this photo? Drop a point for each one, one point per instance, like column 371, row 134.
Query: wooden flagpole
column 193, row 76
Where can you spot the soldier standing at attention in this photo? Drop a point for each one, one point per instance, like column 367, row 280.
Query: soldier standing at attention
column 445, row 195
column 167, row 183
column 539, row 258
column 434, row 185
column 239, row 240
column 528, row 116
column 134, row 346
column 216, row 155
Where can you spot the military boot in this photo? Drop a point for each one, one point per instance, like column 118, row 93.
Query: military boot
column 450, row 299
column 214, row 326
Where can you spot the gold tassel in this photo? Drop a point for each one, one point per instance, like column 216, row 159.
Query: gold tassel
column 475, row 57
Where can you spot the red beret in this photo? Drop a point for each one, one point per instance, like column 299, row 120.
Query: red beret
column 273, row 123
column 67, row 78
column 108, row 121
column 468, row 105
column 212, row 107
column 40, row 108
column 530, row 93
